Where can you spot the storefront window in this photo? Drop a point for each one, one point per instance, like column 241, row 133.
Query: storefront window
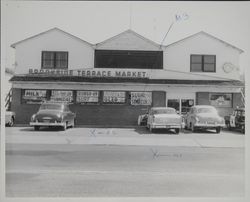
column 62, row 95
column 220, row 99
column 174, row 103
column 114, row 97
column 186, row 104
column 84, row 97
column 140, row 98
column 34, row 96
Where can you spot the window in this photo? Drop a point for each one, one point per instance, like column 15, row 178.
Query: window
column 140, row 98
column 54, row 60
column 203, row 63
column 220, row 99
column 114, row 97
column 129, row 59
column 186, row 104
column 85, row 97
column 62, row 95
column 34, row 96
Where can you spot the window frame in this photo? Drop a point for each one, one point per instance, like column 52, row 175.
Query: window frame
column 54, row 60
column 202, row 63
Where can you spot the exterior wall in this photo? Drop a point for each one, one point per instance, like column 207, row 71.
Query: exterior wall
column 127, row 41
column 118, row 115
column 28, row 53
column 202, row 98
column 177, row 56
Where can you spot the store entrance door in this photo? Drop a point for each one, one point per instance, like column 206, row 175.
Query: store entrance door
column 159, row 99
column 181, row 105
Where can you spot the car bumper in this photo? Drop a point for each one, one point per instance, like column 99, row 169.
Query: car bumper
column 206, row 125
column 46, row 124
column 165, row 126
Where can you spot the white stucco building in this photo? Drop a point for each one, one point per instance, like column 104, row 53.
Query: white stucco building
column 124, row 75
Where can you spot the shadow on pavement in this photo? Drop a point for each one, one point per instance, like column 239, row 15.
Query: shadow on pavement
column 42, row 129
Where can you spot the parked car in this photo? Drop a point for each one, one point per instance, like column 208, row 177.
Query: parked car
column 9, row 118
column 53, row 114
column 204, row 117
column 236, row 120
column 164, row 117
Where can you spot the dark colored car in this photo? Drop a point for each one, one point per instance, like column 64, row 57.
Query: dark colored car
column 53, row 114
column 236, row 120
column 204, row 117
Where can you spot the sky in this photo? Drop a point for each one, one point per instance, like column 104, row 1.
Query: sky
column 98, row 21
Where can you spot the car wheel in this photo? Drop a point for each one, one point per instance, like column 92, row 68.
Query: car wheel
column 218, row 130
column 193, row 129
column 64, row 126
column 73, row 123
column 242, row 129
column 36, row 127
column 151, row 129
column 11, row 123
column 177, row 130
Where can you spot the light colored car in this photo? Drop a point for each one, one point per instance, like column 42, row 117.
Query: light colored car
column 9, row 118
column 53, row 114
column 204, row 117
column 164, row 117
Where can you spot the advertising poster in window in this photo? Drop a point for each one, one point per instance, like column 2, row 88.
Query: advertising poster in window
column 85, row 97
column 114, row 97
column 141, row 98
column 62, row 95
column 34, row 96
column 221, row 99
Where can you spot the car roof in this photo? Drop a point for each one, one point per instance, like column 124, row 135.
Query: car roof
column 154, row 108
column 203, row 106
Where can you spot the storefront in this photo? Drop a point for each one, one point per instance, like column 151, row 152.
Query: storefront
column 120, row 82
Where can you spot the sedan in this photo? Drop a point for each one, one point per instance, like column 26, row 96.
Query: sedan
column 53, row 114
column 164, row 117
column 204, row 117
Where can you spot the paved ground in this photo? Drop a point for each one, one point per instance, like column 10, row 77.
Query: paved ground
column 122, row 163
column 121, row 136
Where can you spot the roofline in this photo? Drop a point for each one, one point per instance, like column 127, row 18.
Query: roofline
column 202, row 32
column 55, row 28
column 129, row 31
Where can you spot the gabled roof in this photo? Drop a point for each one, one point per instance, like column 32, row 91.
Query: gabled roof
column 131, row 32
column 50, row 30
column 209, row 35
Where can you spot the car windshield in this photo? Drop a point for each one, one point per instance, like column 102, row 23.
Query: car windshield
column 163, row 111
column 206, row 110
column 51, row 107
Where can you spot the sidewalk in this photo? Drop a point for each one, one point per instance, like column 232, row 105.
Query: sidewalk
column 123, row 136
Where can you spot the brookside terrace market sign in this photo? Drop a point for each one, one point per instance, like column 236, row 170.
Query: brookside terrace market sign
column 89, row 73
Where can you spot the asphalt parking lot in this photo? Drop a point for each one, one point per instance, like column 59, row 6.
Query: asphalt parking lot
column 124, row 136
column 123, row 162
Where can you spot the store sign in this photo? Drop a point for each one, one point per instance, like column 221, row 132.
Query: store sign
column 87, row 97
column 141, row 98
column 114, row 97
column 60, row 95
column 89, row 73
column 34, row 96
column 221, row 99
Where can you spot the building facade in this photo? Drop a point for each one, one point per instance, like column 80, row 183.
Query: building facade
column 111, row 83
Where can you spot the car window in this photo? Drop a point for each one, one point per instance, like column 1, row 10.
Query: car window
column 163, row 111
column 206, row 110
column 51, row 107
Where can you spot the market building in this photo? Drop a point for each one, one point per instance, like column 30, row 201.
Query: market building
column 111, row 83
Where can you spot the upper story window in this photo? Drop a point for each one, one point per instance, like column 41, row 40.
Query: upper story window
column 129, row 59
column 203, row 63
column 54, row 59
